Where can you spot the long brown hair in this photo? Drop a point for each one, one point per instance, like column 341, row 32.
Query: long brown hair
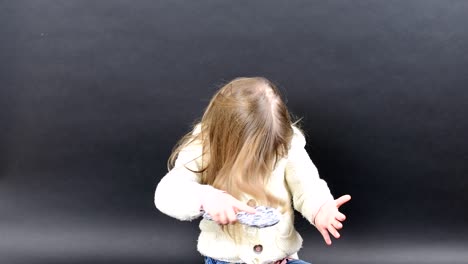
column 244, row 131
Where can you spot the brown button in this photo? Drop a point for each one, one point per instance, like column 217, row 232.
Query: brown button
column 258, row 248
column 252, row 203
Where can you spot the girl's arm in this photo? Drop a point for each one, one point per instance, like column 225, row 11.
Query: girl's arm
column 309, row 191
column 179, row 194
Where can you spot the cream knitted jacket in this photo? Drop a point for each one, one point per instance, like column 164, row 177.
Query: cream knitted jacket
column 295, row 178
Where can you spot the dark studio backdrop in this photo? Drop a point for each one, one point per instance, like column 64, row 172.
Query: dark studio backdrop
column 94, row 94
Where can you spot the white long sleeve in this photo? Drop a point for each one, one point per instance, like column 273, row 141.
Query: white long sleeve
column 309, row 191
column 179, row 192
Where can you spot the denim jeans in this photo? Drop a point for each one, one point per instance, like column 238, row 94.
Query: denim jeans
column 209, row 260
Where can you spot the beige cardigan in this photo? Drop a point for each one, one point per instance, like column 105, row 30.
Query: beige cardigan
column 294, row 178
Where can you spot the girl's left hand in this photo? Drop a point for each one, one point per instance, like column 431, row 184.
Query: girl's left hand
column 329, row 219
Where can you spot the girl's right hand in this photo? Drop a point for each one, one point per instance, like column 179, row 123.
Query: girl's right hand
column 223, row 207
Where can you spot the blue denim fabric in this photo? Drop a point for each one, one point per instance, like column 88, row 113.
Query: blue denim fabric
column 209, row 260
column 297, row 261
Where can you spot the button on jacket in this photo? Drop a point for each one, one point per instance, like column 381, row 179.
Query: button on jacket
column 294, row 178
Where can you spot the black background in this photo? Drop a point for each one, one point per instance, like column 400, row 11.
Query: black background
column 94, row 94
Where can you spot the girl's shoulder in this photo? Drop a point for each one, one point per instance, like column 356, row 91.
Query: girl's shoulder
column 196, row 129
column 191, row 150
column 298, row 139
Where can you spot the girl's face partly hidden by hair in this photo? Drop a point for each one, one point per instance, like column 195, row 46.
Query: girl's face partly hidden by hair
column 246, row 128
column 247, row 108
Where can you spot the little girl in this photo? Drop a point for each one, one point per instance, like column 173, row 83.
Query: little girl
column 245, row 154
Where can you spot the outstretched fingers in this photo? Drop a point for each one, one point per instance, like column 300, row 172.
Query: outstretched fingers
column 333, row 231
column 329, row 219
column 326, row 231
column 342, row 200
column 340, row 217
column 325, row 235
column 337, row 225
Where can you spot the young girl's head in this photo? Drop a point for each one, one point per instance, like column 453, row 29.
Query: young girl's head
column 244, row 131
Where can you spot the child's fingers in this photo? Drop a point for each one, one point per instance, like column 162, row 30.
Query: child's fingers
column 231, row 216
column 342, row 200
column 325, row 236
column 333, row 231
column 216, row 218
column 243, row 207
column 337, row 225
column 221, row 219
column 340, row 217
